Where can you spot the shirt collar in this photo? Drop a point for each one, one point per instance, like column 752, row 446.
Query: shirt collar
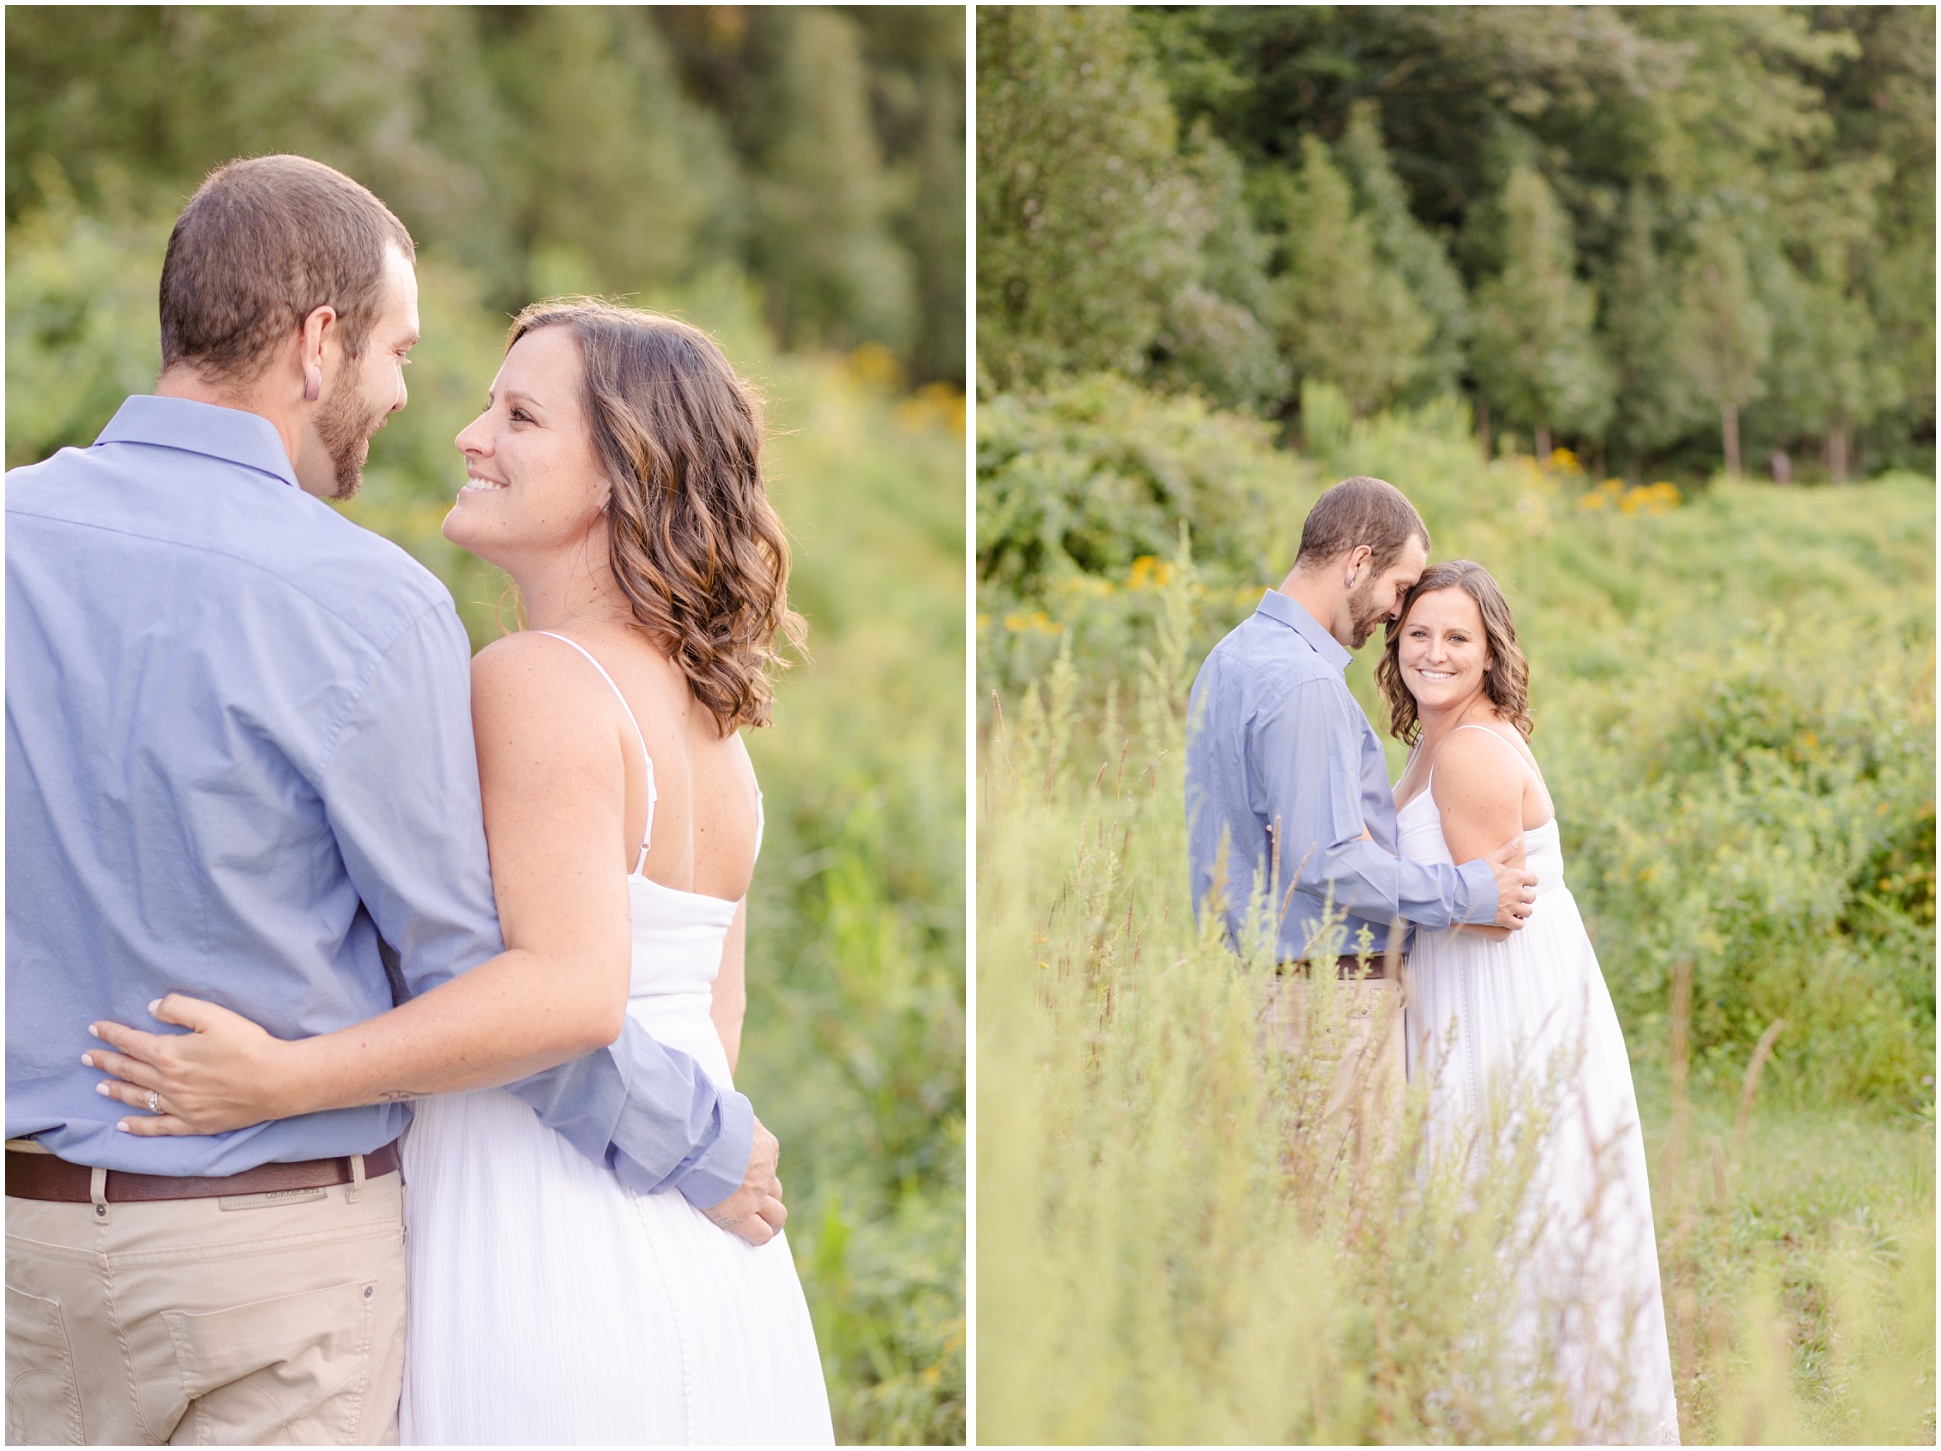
column 229, row 434
column 1278, row 607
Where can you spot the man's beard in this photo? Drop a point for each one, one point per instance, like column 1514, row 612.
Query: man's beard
column 345, row 430
column 1363, row 613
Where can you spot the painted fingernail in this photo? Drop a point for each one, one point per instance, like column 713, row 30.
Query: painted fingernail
column 154, row 1005
column 102, row 1089
column 87, row 1060
column 122, row 1125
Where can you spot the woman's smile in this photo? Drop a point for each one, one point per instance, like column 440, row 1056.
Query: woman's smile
column 1442, row 652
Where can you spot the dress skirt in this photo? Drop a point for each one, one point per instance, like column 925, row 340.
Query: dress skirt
column 1500, row 1027
column 550, row 1304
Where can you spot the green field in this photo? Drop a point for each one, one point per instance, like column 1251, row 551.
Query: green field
column 1733, row 696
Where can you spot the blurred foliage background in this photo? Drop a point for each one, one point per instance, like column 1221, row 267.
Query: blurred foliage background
column 1670, row 237
column 791, row 179
column 1546, row 270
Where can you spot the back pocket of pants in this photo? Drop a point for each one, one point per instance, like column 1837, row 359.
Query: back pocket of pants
column 296, row 1358
column 43, row 1402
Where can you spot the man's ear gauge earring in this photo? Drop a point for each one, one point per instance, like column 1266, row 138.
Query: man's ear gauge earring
column 310, row 387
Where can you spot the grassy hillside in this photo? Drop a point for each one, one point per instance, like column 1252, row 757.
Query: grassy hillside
column 1733, row 696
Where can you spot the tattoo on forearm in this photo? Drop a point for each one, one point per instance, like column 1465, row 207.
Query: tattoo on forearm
column 397, row 1095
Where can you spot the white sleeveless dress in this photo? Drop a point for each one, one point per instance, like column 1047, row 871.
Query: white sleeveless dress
column 1480, row 1013
column 550, row 1304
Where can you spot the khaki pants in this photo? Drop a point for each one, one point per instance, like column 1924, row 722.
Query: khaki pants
column 1351, row 1033
column 247, row 1320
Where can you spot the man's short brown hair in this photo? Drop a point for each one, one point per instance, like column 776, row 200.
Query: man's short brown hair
column 263, row 243
column 1361, row 511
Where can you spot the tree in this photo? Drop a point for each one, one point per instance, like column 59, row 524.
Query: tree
column 1410, row 250
column 1086, row 225
column 1651, row 401
column 1342, row 316
column 1882, row 104
column 1828, row 375
column 915, row 58
column 1724, row 336
column 1853, row 383
column 626, row 148
column 604, row 158
column 1701, row 109
column 1536, row 355
column 822, row 205
column 1212, row 335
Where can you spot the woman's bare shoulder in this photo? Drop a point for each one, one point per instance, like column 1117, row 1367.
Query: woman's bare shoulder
column 537, row 681
column 1474, row 774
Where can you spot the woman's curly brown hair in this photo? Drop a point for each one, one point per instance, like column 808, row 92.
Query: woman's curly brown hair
column 692, row 539
column 1507, row 680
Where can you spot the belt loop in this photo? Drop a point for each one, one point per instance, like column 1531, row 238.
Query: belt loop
column 356, row 1190
column 98, row 1193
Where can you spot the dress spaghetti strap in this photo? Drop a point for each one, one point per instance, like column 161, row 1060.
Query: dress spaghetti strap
column 653, row 795
column 1541, row 783
column 1508, row 747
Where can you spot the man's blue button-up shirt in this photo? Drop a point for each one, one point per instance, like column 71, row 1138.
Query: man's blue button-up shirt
column 1283, row 774
column 239, row 754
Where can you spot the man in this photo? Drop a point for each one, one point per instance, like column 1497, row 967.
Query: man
column 1290, row 817
column 240, row 765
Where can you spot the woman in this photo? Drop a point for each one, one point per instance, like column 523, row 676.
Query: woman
column 616, row 477
column 1495, row 1015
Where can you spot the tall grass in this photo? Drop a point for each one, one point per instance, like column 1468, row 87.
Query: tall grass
column 1734, row 705
column 1172, row 1248
column 1180, row 1240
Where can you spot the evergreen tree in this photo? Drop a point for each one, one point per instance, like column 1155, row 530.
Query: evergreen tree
column 606, row 161
column 1702, row 109
column 1724, row 335
column 1410, row 249
column 822, row 205
column 915, row 58
column 1829, row 376
column 1900, row 287
column 1853, row 382
column 1882, row 104
column 1651, row 404
column 615, row 149
column 1212, row 336
column 1086, row 226
column 1343, row 317
column 1536, row 355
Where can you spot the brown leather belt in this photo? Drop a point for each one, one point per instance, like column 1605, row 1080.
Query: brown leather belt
column 1347, row 967
column 43, row 1176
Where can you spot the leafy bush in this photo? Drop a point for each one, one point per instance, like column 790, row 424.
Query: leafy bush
column 82, row 329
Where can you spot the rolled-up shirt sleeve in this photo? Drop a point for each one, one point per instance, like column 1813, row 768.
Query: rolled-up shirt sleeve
column 1297, row 750
column 400, row 786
